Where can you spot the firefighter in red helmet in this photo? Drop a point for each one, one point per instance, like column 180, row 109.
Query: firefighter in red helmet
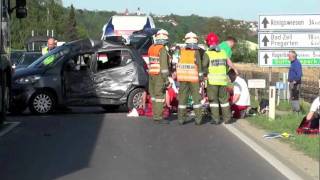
column 215, row 68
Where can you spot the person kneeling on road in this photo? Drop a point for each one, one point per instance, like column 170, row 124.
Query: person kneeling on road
column 240, row 101
column 314, row 114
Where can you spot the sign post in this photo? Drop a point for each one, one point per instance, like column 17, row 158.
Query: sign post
column 278, row 34
column 256, row 84
column 293, row 22
column 289, row 40
column 272, row 102
column 279, row 58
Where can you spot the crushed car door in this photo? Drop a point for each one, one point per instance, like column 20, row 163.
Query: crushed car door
column 114, row 73
column 78, row 79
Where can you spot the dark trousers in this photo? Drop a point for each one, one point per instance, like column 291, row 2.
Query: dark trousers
column 294, row 96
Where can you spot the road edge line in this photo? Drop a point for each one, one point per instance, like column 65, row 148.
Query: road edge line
column 9, row 128
column 272, row 160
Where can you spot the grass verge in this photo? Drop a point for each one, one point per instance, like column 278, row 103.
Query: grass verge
column 309, row 144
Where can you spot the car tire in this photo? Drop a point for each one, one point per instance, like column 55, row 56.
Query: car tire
column 135, row 98
column 42, row 102
column 111, row 108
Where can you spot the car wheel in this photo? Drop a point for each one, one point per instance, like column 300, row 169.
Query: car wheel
column 135, row 98
column 42, row 102
column 110, row 108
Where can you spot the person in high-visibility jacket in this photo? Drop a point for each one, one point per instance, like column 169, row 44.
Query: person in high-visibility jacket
column 51, row 44
column 189, row 74
column 158, row 74
column 215, row 67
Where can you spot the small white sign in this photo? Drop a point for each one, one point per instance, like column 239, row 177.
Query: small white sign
column 289, row 40
column 289, row 22
column 256, row 83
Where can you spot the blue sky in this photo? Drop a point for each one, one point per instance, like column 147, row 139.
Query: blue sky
column 236, row 9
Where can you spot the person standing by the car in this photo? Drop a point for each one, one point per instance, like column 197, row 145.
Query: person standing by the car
column 294, row 78
column 189, row 74
column 227, row 46
column 158, row 74
column 215, row 69
column 51, row 44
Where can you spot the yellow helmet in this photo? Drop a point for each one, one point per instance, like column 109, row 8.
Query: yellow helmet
column 162, row 37
column 191, row 38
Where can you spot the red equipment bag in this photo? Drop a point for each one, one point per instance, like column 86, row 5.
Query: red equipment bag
column 308, row 127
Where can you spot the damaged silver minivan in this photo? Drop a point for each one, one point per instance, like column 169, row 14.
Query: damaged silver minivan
column 81, row 73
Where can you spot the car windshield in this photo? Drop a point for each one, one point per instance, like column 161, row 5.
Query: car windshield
column 16, row 56
column 50, row 58
column 29, row 58
column 137, row 41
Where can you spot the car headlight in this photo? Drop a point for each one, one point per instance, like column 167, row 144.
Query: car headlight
column 28, row 80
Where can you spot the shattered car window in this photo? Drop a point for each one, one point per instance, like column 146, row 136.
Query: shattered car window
column 50, row 58
column 108, row 60
column 113, row 59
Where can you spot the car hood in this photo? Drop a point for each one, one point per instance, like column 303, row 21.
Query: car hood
column 24, row 72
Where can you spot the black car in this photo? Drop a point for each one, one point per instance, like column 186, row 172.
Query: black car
column 81, row 73
column 26, row 59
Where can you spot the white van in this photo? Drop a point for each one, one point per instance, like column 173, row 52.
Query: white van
column 125, row 25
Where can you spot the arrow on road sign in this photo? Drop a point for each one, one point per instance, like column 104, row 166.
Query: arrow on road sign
column 265, row 41
column 265, row 22
column 266, row 57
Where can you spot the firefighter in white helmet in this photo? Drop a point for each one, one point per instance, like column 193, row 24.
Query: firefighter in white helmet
column 158, row 74
column 189, row 74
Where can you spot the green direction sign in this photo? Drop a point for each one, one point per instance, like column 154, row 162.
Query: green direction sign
column 279, row 58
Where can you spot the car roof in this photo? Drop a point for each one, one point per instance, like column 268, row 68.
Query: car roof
column 90, row 45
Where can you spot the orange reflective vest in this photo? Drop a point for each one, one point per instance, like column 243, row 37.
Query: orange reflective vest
column 187, row 70
column 154, row 59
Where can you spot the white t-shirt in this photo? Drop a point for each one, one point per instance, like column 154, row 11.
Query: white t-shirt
column 241, row 87
column 315, row 105
column 173, row 85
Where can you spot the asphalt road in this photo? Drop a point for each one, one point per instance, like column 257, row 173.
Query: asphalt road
column 89, row 144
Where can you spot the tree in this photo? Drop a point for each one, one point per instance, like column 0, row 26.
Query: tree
column 71, row 26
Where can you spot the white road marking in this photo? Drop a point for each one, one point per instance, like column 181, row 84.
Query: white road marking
column 11, row 126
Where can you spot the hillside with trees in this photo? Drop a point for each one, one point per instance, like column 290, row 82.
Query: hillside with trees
column 70, row 24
